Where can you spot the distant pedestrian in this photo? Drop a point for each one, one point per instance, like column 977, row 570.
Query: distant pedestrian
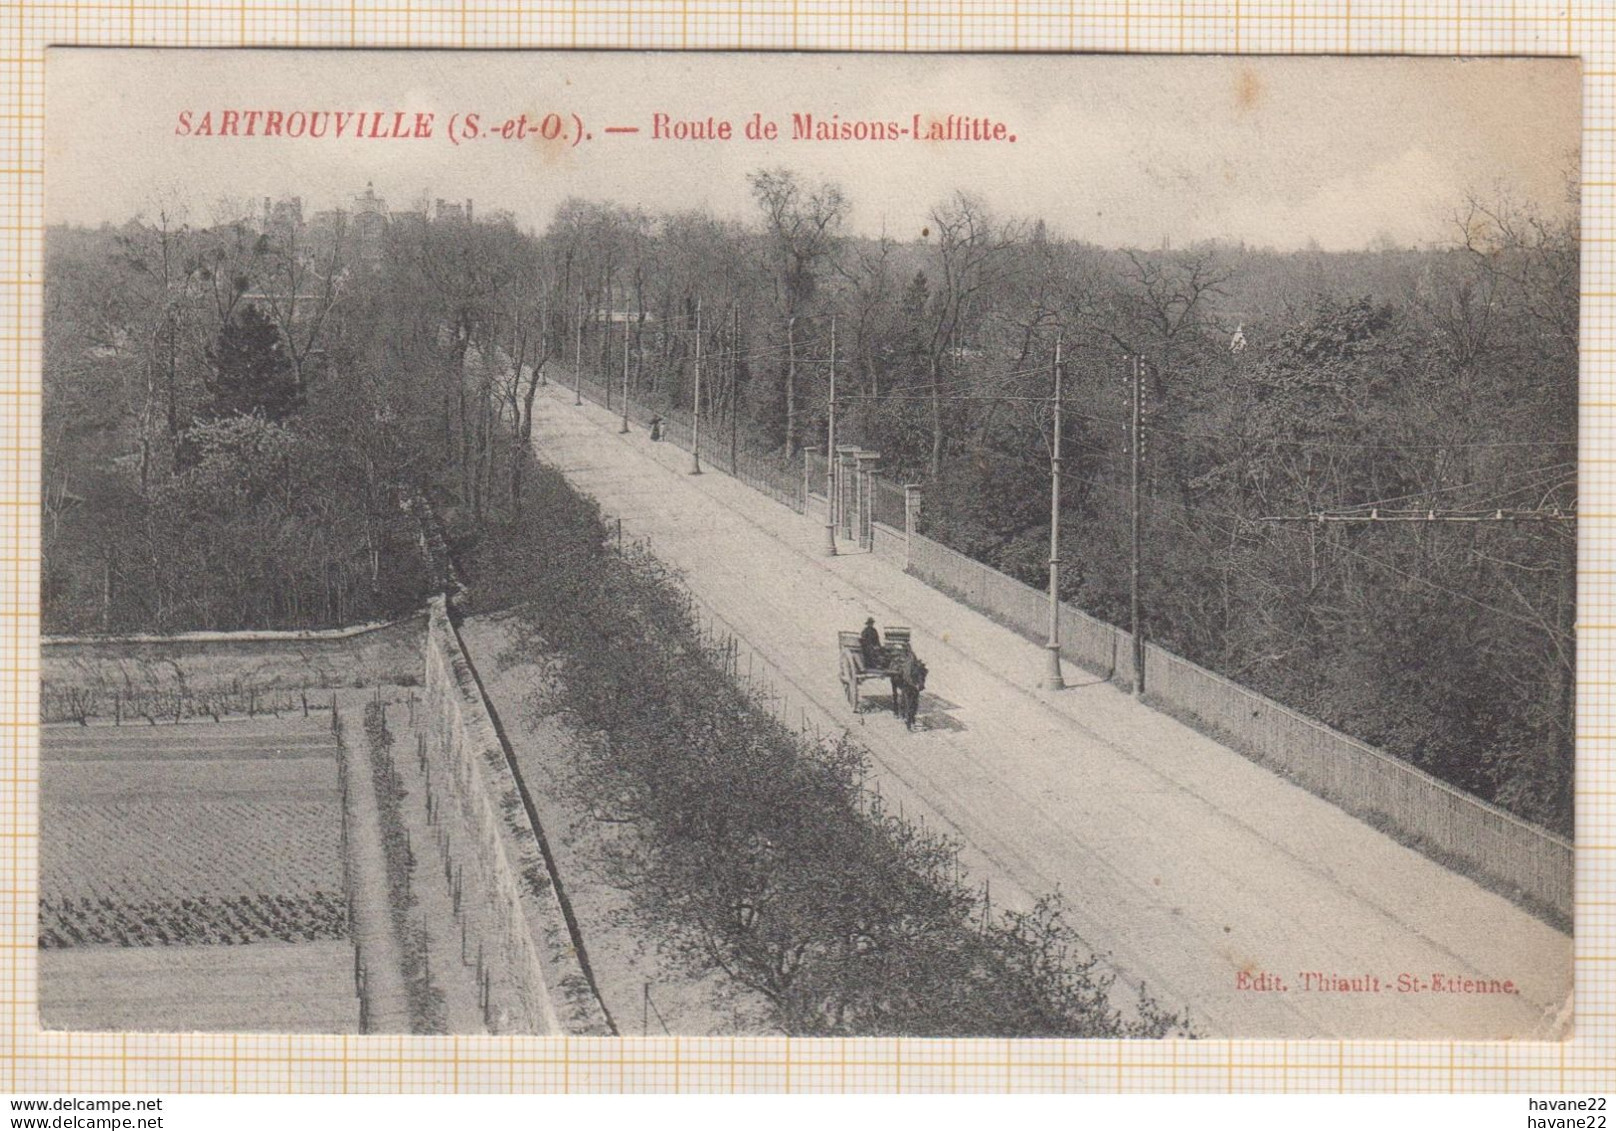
column 656, row 428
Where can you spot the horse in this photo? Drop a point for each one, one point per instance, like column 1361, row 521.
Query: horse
column 908, row 677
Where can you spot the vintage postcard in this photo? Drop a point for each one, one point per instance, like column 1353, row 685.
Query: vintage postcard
column 823, row 545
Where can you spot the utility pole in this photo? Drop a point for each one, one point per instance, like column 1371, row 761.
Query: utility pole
column 734, row 388
column 1053, row 680
column 624, row 427
column 578, row 353
column 1134, row 623
column 791, row 388
column 695, row 419
column 544, row 335
column 830, row 452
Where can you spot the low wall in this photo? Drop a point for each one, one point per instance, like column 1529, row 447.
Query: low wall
column 1442, row 820
column 248, row 636
column 761, row 471
column 551, row 993
column 1367, row 781
column 198, row 674
column 887, row 543
column 1101, row 648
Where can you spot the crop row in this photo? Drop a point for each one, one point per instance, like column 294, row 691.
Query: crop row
column 168, row 848
column 161, row 705
column 226, row 920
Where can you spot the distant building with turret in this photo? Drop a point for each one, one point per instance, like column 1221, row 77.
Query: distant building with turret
column 364, row 226
column 369, row 226
column 286, row 212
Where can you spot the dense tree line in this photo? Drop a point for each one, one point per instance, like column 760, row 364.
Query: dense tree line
column 235, row 411
column 1389, row 382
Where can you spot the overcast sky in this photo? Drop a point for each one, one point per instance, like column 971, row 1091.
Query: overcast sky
column 1123, row 151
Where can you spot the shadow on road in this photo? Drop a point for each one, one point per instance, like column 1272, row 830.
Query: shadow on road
column 933, row 713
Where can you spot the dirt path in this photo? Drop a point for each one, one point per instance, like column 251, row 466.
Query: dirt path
column 440, row 845
column 1194, row 868
column 386, row 1005
column 451, row 919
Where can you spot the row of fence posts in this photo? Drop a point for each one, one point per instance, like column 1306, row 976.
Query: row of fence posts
column 454, row 874
column 361, row 975
column 723, row 648
column 395, row 787
column 725, row 457
column 82, row 712
column 722, row 645
column 855, row 479
column 454, row 877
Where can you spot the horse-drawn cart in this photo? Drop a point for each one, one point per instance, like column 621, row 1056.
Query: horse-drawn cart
column 855, row 671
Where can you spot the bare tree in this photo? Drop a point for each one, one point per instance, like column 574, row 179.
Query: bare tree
column 530, row 350
column 1533, row 257
column 971, row 257
column 1164, row 304
column 802, row 224
column 869, row 294
column 303, row 283
column 160, row 260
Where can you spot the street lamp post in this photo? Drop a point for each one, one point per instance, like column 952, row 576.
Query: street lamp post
column 578, row 353
column 1053, row 680
column 624, row 427
column 1135, row 620
column 695, row 417
column 830, row 453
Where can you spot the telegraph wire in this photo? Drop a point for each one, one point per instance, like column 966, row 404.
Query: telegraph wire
column 1335, row 547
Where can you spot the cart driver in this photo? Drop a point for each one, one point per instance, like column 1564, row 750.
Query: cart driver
column 870, row 645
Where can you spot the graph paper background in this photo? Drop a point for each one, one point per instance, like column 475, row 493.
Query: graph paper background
column 31, row 1061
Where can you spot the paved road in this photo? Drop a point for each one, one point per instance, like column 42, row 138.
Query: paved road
column 1195, row 870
